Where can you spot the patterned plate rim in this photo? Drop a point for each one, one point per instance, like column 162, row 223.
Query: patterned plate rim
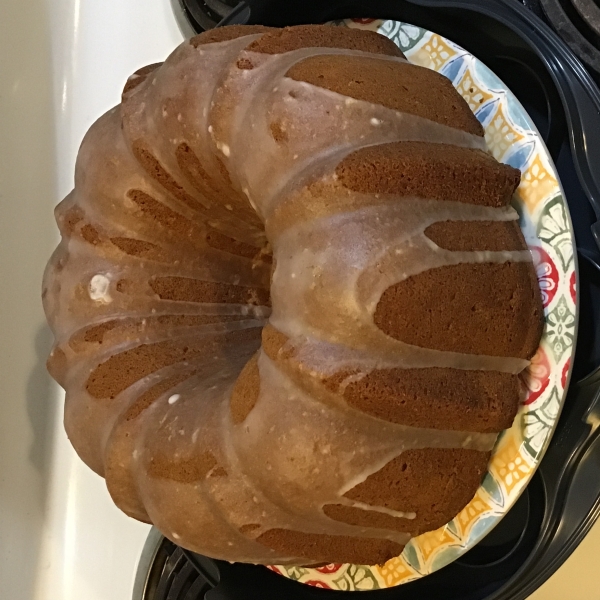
column 348, row 577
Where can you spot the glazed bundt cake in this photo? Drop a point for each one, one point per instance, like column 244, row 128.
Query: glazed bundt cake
column 291, row 299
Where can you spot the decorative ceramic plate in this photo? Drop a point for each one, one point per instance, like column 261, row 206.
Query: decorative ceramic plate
column 544, row 219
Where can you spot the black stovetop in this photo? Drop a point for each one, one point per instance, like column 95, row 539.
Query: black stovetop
column 577, row 22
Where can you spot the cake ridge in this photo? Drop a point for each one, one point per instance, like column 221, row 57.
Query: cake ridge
column 209, row 144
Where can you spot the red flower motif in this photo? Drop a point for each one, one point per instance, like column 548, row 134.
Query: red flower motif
column 318, row 584
column 536, row 377
column 565, row 371
column 573, row 286
column 363, row 21
column 274, row 569
column 332, row 568
column 547, row 274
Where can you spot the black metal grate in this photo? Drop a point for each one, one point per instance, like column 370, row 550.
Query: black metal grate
column 576, row 21
column 172, row 576
column 206, row 14
column 578, row 24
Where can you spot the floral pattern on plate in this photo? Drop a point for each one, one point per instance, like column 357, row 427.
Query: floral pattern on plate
column 544, row 219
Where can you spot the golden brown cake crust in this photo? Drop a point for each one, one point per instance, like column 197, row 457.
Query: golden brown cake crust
column 412, row 482
column 472, row 236
column 433, row 171
column 331, row 548
column 122, row 370
column 229, row 32
column 278, row 41
column 481, row 401
column 139, row 77
column 170, row 393
column 451, row 309
column 396, row 85
column 437, row 398
column 245, row 392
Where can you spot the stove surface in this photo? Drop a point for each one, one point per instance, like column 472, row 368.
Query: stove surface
column 63, row 63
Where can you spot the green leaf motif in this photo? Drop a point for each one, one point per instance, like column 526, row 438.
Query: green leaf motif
column 481, row 527
column 490, row 485
column 411, row 556
column 296, row 573
column 361, row 578
column 404, row 35
column 453, row 529
column 538, row 423
column 343, row 583
column 553, row 228
column 535, row 433
column 445, row 557
column 560, row 328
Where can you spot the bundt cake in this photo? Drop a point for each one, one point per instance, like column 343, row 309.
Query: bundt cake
column 291, row 299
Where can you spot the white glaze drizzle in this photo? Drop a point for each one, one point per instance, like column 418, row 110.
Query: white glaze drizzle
column 312, row 116
column 335, row 286
column 318, row 266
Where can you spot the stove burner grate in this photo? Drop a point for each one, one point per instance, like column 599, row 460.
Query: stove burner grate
column 206, row 14
column 167, row 574
column 577, row 22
